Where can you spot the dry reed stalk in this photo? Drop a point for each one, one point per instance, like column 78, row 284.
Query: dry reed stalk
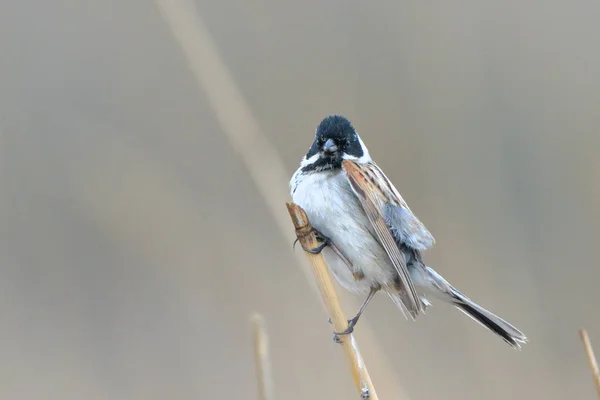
column 307, row 238
column 589, row 352
column 261, row 357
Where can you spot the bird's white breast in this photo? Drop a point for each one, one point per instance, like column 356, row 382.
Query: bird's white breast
column 335, row 211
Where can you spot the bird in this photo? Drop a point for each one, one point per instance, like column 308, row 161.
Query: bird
column 369, row 237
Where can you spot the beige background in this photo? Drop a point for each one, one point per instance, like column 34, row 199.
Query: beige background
column 135, row 243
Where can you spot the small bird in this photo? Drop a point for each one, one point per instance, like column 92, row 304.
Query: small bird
column 368, row 235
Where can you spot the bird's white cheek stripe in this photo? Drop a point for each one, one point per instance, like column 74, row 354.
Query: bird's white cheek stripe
column 308, row 161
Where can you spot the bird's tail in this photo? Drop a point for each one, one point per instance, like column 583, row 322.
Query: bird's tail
column 494, row 323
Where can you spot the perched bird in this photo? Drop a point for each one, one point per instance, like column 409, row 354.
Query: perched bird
column 368, row 236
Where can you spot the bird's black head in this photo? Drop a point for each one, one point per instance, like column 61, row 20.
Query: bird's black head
column 335, row 140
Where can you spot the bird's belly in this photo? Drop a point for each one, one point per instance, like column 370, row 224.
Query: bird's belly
column 370, row 265
column 334, row 210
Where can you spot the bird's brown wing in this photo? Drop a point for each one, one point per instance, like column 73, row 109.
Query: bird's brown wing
column 382, row 204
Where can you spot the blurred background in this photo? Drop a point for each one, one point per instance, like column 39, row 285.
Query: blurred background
column 137, row 237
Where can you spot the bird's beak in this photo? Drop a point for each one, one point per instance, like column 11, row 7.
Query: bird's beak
column 330, row 146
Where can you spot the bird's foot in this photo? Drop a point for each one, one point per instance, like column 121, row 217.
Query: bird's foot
column 322, row 239
column 351, row 324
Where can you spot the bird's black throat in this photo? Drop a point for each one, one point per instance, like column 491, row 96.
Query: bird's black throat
column 324, row 163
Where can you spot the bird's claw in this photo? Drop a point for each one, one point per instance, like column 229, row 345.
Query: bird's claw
column 365, row 394
column 351, row 323
column 320, row 238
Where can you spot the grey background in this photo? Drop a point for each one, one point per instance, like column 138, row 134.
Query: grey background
column 134, row 244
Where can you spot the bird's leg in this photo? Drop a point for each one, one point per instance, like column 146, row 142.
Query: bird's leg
column 325, row 241
column 356, row 272
column 352, row 322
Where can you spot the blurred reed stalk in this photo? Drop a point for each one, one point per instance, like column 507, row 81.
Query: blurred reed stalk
column 589, row 352
column 262, row 360
column 306, row 237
